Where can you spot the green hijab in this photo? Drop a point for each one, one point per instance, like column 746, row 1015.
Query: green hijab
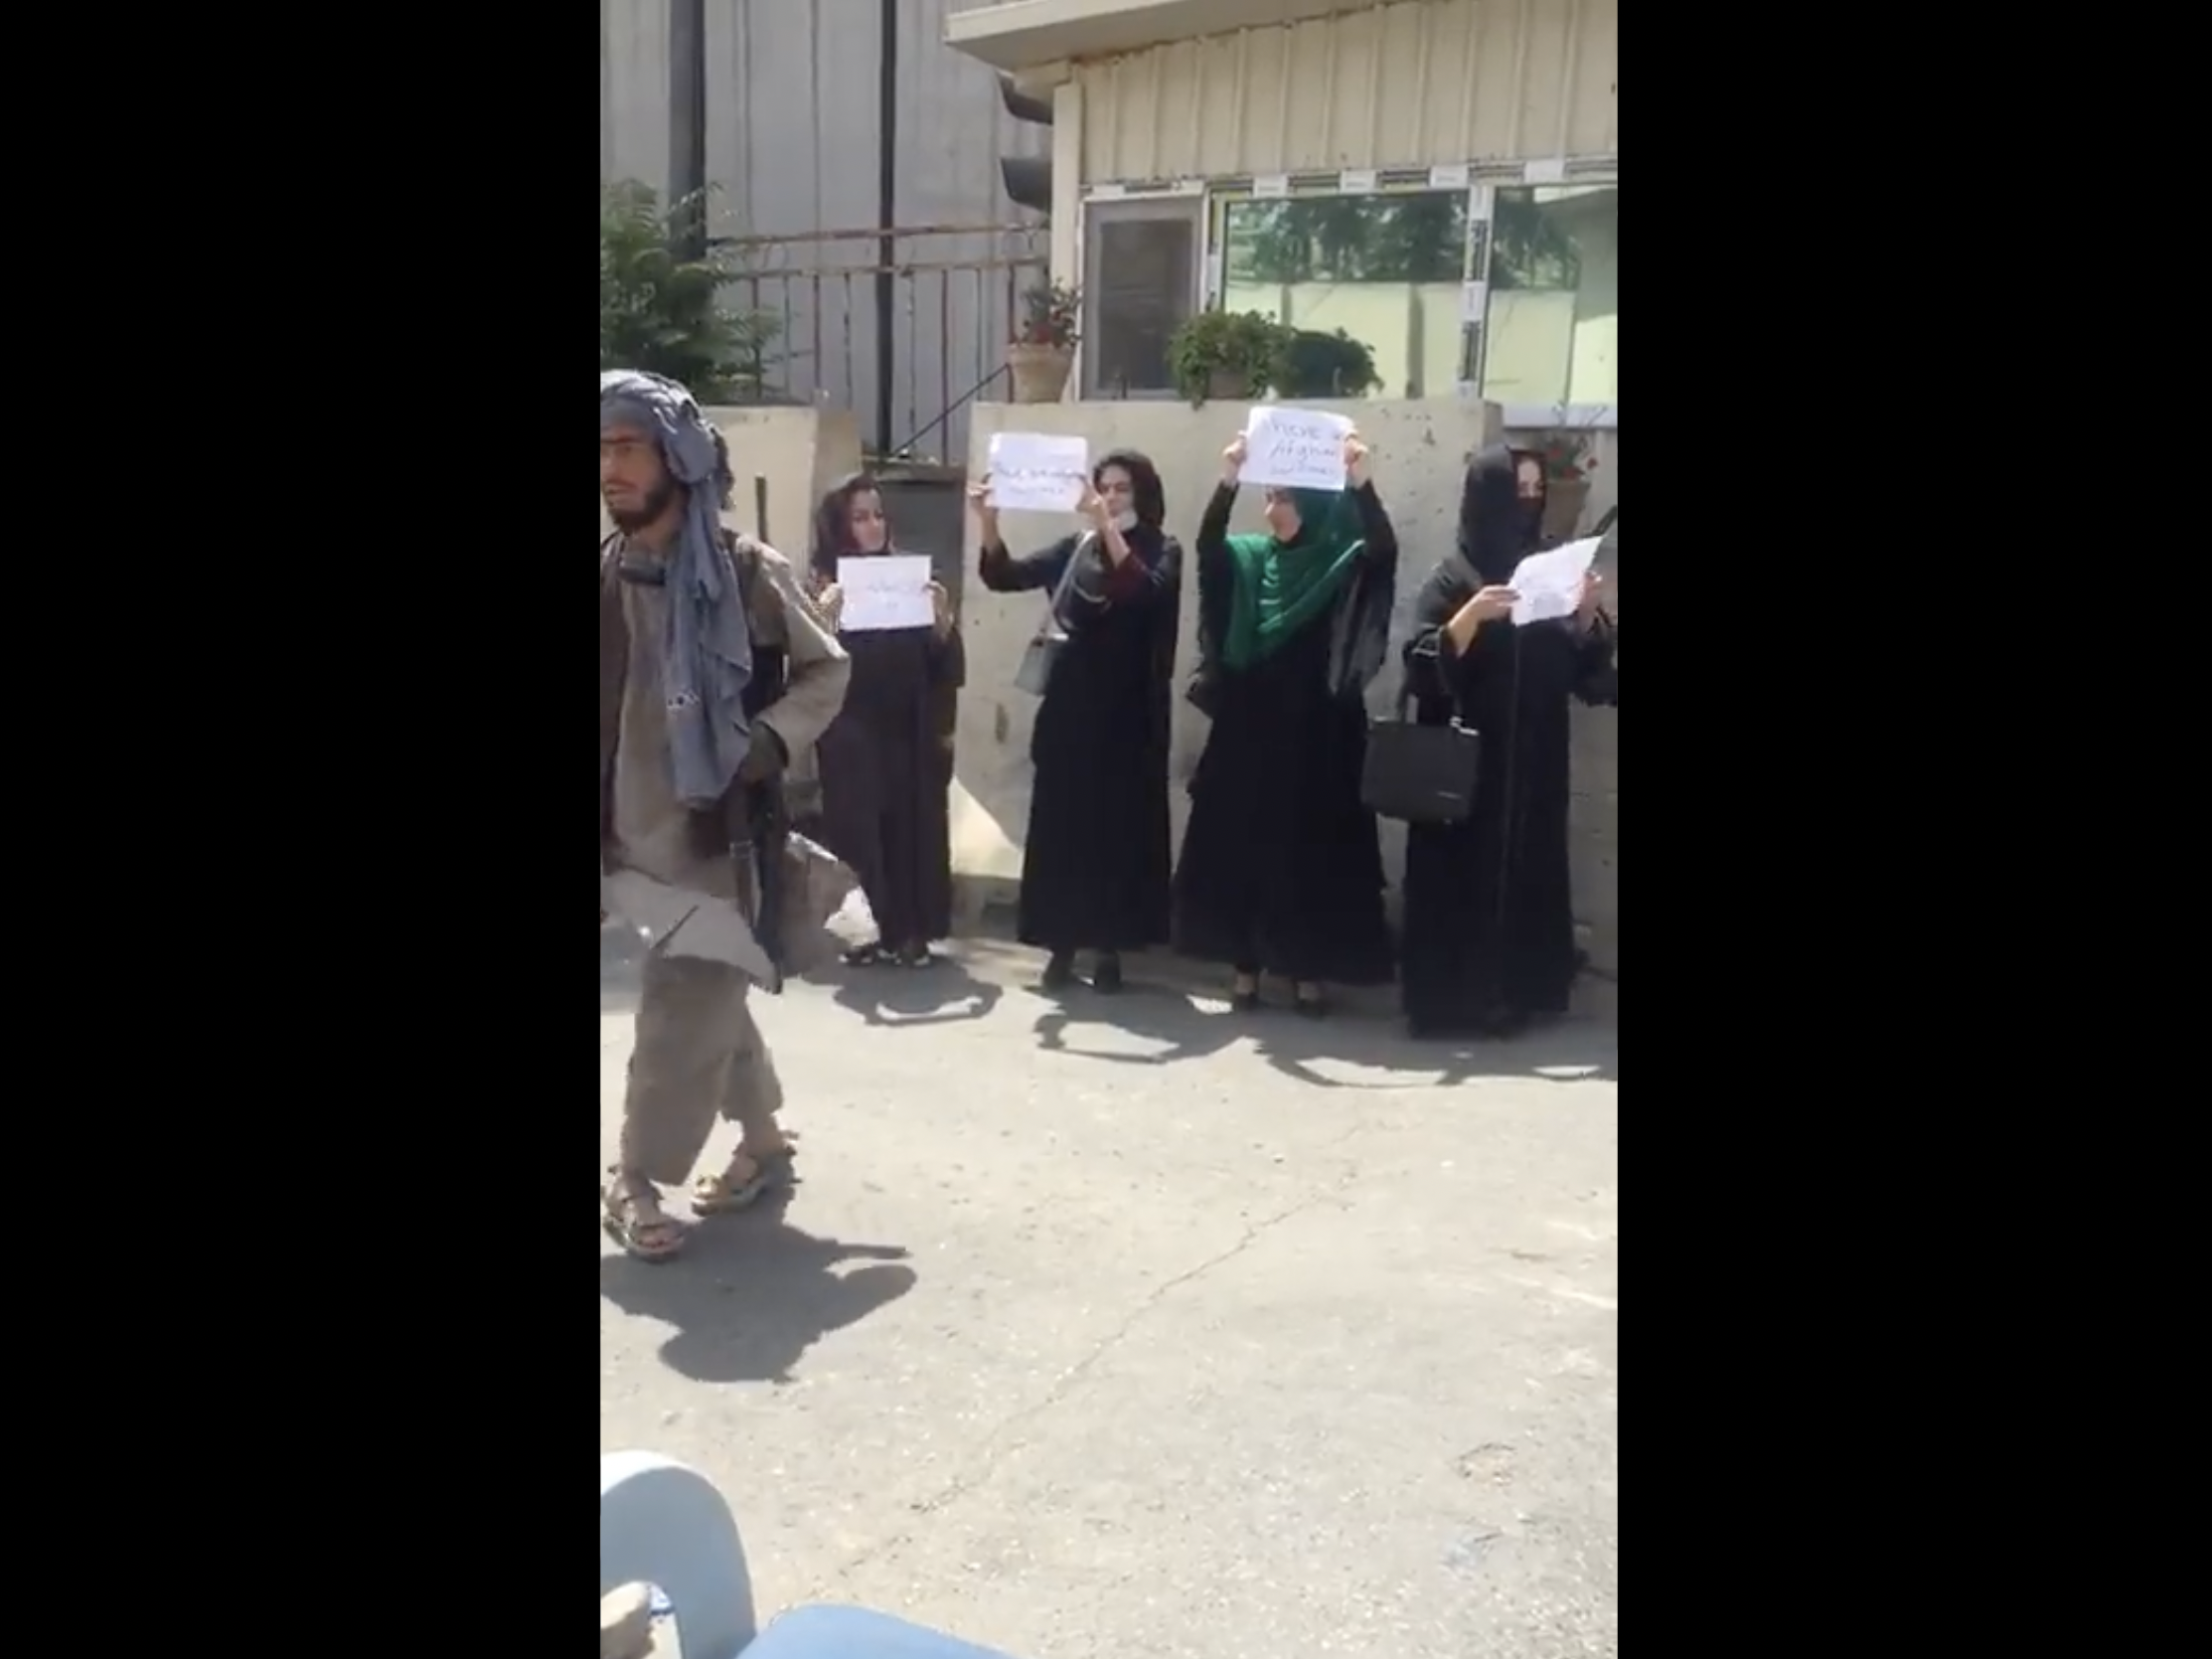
column 1280, row 587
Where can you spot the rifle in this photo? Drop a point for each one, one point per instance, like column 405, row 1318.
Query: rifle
column 764, row 833
column 764, row 827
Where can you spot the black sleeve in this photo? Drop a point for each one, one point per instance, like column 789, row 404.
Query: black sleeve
column 1437, row 676
column 1135, row 581
column 1216, row 578
column 1381, row 551
column 948, row 660
column 1002, row 573
column 1213, row 525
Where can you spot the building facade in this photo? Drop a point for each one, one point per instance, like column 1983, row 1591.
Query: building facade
column 798, row 130
column 1438, row 177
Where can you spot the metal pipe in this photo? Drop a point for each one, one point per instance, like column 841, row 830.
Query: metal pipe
column 886, row 210
column 687, row 121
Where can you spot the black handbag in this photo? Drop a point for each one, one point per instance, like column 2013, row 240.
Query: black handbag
column 1420, row 774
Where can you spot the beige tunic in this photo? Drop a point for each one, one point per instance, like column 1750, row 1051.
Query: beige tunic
column 699, row 1053
column 651, row 825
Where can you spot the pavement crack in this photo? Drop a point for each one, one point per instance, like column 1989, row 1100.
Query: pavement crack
column 994, row 1449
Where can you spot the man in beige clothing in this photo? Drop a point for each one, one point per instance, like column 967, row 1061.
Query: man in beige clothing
column 715, row 675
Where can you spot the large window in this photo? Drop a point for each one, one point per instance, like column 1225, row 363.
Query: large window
column 1445, row 280
column 1385, row 267
column 1141, row 279
column 1554, row 317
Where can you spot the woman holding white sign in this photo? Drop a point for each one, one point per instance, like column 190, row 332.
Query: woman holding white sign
column 886, row 760
column 1282, row 868
column 1489, row 920
column 1094, row 863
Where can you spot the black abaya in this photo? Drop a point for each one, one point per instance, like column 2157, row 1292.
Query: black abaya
column 1094, row 860
column 886, row 778
column 1489, row 937
column 1282, row 868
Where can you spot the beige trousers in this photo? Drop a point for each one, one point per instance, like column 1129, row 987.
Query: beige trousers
column 698, row 1055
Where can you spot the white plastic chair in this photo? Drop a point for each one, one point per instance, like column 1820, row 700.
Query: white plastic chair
column 663, row 1524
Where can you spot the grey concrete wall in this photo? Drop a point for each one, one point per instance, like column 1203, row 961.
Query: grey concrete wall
column 1420, row 449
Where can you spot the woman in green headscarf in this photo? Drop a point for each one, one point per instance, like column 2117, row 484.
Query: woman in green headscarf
column 1281, row 869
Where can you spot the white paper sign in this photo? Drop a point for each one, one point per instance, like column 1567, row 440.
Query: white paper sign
column 1550, row 584
column 1032, row 473
column 884, row 590
column 1295, row 448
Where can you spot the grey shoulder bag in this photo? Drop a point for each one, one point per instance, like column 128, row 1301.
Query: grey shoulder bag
column 1043, row 653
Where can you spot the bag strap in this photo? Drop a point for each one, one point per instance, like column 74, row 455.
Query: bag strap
column 1066, row 584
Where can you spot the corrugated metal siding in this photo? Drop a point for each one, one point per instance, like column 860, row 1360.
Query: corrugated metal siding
column 791, row 143
column 1396, row 85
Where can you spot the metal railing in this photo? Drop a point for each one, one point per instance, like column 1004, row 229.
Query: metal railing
column 952, row 297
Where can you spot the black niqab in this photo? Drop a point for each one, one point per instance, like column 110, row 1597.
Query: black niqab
column 1496, row 527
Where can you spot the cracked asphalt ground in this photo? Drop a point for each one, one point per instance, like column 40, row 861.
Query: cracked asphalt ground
column 1124, row 1327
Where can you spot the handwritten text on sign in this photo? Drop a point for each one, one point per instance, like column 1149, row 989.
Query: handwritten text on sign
column 1295, row 448
column 1034, row 472
column 884, row 590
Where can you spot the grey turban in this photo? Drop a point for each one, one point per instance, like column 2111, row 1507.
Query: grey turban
column 706, row 652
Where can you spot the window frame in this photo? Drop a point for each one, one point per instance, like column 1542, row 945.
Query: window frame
column 1109, row 205
column 1211, row 198
column 1604, row 417
column 1221, row 196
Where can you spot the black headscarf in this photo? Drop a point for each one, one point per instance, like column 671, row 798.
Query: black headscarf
column 1496, row 527
column 832, row 536
column 1147, row 495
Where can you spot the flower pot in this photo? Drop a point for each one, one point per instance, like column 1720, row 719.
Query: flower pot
column 1227, row 385
column 1039, row 372
column 1565, row 500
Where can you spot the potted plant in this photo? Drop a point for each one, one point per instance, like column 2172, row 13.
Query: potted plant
column 1227, row 354
column 1318, row 365
column 1569, row 458
column 1043, row 352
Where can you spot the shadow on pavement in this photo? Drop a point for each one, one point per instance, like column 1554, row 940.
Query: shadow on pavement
column 1570, row 1051
column 1153, row 1013
column 750, row 1294
column 885, row 996
column 1182, row 1007
column 890, row 996
column 1191, row 1020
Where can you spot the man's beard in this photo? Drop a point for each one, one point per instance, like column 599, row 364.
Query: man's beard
column 631, row 520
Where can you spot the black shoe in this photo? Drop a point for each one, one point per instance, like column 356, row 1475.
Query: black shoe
column 1059, row 971
column 1106, row 976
